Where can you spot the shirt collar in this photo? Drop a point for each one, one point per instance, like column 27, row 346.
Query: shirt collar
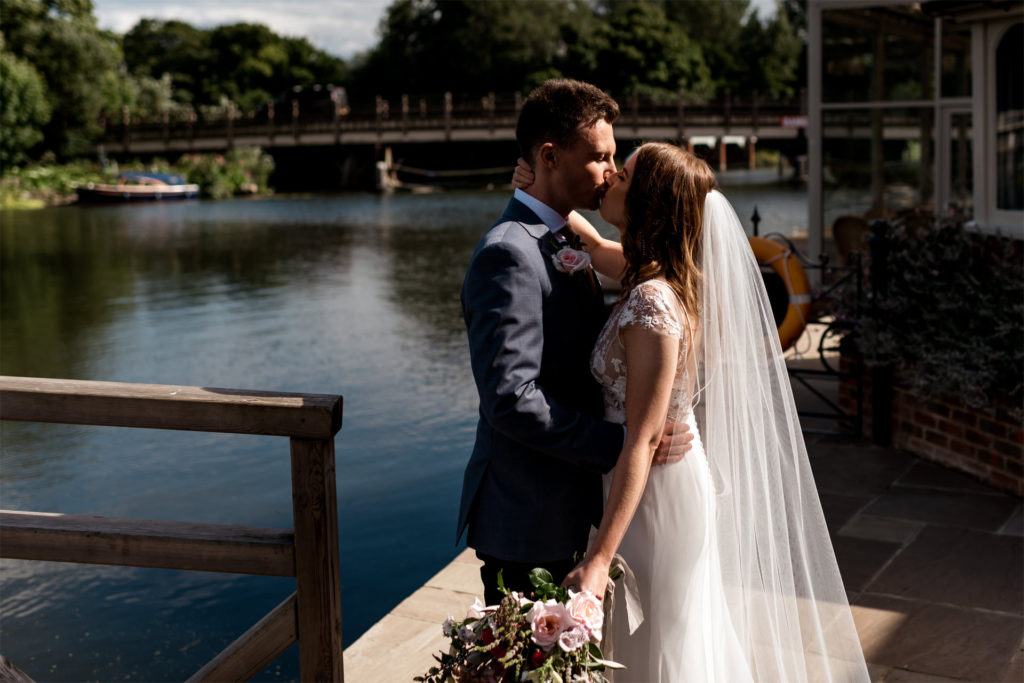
column 551, row 218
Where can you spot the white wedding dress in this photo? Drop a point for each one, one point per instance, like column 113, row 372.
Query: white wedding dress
column 687, row 633
column 732, row 557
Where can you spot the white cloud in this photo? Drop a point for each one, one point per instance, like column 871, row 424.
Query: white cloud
column 341, row 27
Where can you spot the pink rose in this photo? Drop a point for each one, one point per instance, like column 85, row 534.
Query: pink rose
column 585, row 609
column 574, row 638
column 570, row 260
column 548, row 619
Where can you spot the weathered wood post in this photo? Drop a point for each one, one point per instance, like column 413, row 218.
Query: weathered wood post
column 447, row 116
column 336, row 114
column 317, row 572
column 126, row 122
column 270, row 120
column 752, row 141
column 231, row 124
column 681, row 116
column 378, row 109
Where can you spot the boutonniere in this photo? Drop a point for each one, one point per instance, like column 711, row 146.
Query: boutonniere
column 569, row 260
column 568, row 257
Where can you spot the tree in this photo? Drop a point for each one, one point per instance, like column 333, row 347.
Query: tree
column 23, row 109
column 769, row 56
column 640, row 51
column 153, row 48
column 245, row 64
column 62, row 42
column 464, row 46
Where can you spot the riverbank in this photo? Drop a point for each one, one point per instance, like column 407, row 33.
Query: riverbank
column 241, row 171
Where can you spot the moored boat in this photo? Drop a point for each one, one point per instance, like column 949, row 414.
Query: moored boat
column 137, row 186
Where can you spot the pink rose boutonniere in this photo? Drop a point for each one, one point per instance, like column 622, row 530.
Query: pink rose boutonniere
column 569, row 260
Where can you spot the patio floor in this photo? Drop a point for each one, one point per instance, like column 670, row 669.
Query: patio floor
column 932, row 560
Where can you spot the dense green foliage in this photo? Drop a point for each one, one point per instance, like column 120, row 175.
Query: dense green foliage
column 76, row 60
column 649, row 47
column 63, row 78
column 23, row 109
column 951, row 318
column 247, row 64
column 243, row 170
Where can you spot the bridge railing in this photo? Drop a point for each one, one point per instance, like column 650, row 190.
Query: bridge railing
column 308, row 551
column 445, row 112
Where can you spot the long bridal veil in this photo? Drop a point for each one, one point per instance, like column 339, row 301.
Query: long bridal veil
column 783, row 590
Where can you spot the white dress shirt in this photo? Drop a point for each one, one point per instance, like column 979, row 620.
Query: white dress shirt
column 551, row 218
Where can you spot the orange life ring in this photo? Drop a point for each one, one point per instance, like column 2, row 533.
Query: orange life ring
column 786, row 264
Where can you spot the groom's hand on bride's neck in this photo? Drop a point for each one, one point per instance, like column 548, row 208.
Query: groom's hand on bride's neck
column 674, row 444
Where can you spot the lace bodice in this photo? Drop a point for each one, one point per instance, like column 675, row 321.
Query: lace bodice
column 652, row 305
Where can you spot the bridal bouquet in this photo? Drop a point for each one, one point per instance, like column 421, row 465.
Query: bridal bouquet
column 552, row 638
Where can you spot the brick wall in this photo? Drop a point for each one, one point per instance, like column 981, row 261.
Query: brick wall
column 989, row 446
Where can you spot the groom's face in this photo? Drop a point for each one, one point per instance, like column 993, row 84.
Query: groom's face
column 587, row 161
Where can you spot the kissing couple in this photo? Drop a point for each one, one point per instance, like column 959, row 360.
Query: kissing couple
column 667, row 423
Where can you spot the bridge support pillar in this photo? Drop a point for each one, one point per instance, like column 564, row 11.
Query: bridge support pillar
column 752, row 152
column 722, row 165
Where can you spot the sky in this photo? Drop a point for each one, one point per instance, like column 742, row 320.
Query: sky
column 340, row 27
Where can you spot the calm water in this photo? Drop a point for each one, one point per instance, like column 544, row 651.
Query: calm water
column 354, row 295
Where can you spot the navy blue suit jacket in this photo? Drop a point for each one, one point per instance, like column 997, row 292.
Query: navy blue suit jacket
column 532, row 487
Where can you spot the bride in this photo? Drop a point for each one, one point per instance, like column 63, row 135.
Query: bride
column 736, row 574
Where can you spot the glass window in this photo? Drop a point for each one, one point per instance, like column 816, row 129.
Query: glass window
column 956, row 59
column 877, row 54
column 961, row 163
column 1010, row 120
column 877, row 162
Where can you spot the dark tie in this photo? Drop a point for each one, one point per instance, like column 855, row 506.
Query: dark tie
column 570, row 238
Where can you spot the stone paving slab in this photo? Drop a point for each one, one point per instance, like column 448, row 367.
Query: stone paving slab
column 402, row 644
column 959, row 567
column 928, row 638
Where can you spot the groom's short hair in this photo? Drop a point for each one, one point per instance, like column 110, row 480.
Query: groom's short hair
column 554, row 111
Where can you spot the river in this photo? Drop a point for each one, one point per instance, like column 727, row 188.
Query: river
column 352, row 294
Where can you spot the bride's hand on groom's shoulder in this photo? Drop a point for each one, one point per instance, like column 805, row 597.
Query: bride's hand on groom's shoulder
column 522, row 176
column 674, row 444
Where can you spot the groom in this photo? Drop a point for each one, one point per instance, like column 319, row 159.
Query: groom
column 532, row 487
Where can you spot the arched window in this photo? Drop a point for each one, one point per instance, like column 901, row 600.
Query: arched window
column 1010, row 120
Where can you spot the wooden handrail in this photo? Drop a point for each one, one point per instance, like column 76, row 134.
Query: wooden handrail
column 87, row 539
column 309, row 552
column 161, row 406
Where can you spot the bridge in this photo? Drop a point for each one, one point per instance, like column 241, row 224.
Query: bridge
column 409, row 120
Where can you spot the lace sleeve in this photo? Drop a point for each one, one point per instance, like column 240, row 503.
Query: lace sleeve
column 649, row 307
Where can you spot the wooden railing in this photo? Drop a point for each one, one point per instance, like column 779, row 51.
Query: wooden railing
column 309, row 552
column 442, row 114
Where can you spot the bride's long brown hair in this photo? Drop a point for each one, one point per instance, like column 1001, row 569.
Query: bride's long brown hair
column 664, row 218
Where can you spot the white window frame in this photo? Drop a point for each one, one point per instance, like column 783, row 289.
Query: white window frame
column 985, row 37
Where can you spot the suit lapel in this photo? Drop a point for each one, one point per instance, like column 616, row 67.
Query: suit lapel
column 586, row 282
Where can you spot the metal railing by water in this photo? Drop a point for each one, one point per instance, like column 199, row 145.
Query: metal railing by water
column 308, row 552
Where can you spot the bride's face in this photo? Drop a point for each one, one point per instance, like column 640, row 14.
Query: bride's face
column 613, row 207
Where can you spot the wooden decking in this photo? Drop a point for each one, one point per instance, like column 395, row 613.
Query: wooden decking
column 401, row 645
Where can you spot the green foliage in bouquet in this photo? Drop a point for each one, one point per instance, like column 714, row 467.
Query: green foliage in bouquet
column 952, row 321
column 551, row 638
